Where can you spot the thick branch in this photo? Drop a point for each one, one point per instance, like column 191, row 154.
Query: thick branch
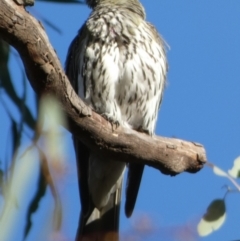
column 45, row 73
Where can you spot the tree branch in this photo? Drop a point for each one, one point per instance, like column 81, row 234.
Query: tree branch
column 45, row 73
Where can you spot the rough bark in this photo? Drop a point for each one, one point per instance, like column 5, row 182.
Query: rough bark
column 45, row 73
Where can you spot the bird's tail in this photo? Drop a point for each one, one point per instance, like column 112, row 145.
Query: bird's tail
column 94, row 224
column 102, row 225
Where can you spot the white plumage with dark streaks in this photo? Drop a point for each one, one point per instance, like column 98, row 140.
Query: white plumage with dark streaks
column 118, row 66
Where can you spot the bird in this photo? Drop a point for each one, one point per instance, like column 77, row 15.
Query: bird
column 117, row 65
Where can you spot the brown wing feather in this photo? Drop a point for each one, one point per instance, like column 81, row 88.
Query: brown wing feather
column 109, row 216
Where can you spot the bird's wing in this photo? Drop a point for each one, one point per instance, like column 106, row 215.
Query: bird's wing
column 92, row 221
column 73, row 67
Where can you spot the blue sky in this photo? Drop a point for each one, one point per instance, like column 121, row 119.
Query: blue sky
column 201, row 103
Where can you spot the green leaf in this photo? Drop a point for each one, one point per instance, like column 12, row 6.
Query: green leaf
column 213, row 219
column 52, row 117
column 27, row 116
column 34, row 204
column 219, row 171
column 222, row 173
column 235, row 171
column 7, row 85
column 16, row 136
column 16, row 189
column 4, row 53
column 4, row 56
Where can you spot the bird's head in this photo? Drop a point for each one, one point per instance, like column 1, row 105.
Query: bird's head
column 133, row 5
column 94, row 3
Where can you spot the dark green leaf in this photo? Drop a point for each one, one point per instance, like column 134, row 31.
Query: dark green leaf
column 4, row 53
column 32, row 208
column 7, row 85
column 27, row 116
column 16, row 136
column 215, row 210
column 213, row 219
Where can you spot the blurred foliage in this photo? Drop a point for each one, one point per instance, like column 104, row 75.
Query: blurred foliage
column 213, row 219
column 26, row 122
column 215, row 215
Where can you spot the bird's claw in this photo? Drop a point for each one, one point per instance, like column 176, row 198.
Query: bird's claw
column 114, row 122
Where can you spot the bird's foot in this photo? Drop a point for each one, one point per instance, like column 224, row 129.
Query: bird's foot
column 113, row 121
column 146, row 131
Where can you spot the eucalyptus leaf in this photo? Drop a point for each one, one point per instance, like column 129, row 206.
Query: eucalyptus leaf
column 34, row 204
column 16, row 136
column 219, row 172
column 213, row 219
column 235, row 171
